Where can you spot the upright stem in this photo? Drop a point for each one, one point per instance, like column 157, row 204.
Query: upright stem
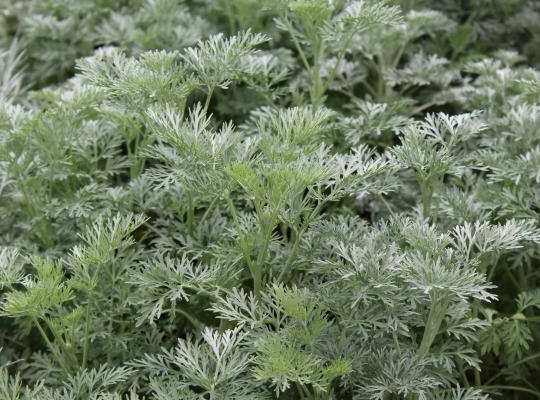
column 514, row 388
column 398, row 55
column 230, row 16
column 381, row 82
column 297, row 240
column 299, row 388
column 484, row 262
column 297, row 44
column 193, row 320
column 385, row 203
column 190, row 213
column 86, row 344
column 522, row 361
column 341, row 341
column 318, row 88
column 136, row 164
column 253, row 269
column 439, row 306
column 422, row 107
column 86, row 331
column 257, row 278
column 72, row 358
column 208, row 211
column 53, row 349
column 427, row 193
column 340, row 57
column 208, row 98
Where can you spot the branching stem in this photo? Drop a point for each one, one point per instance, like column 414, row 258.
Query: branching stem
column 437, row 312
column 53, row 349
column 297, row 241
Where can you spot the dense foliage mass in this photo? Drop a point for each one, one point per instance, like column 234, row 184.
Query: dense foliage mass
column 261, row 199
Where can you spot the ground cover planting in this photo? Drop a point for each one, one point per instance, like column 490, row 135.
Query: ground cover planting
column 269, row 199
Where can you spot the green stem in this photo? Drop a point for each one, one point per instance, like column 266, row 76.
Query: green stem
column 53, row 349
column 464, row 378
column 385, row 203
column 522, row 361
column 381, row 82
column 439, row 306
column 86, row 332
column 475, row 310
column 523, row 279
column 340, row 57
column 68, row 353
column 252, row 267
column 190, row 213
column 515, row 388
column 341, row 341
column 296, row 43
column 477, row 378
column 136, row 167
column 318, row 88
column 491, row 269
column 208, row 99
column 208, row 210
column 300, row 390
column 427, row 193
column 86, row 344
column 398, row 55
column 230, row 16
column 154, row 230
column 297, row 240
column 396, row 342
column 306, row 391
column 421, row 108
column 257, row 278
column 314, row 75
column 193, row 320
